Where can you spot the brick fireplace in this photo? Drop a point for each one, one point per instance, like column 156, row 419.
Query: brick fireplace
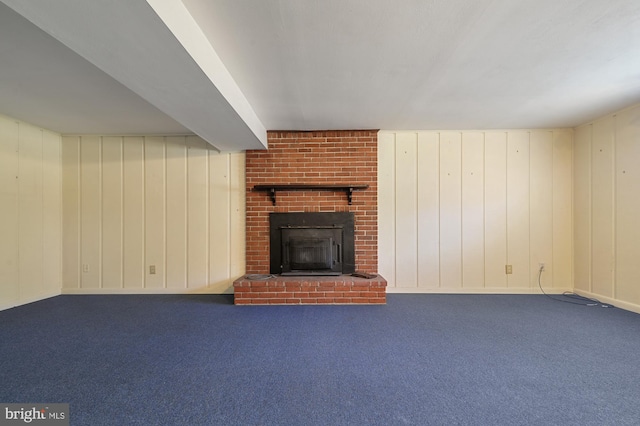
column 332, row 163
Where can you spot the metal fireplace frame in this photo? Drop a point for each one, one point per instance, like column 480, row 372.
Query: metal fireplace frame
column 339, row 227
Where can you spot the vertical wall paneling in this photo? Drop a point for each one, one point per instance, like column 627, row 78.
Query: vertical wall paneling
column 133, row 213
column 198, row 205
column 72, row 267
column 428, row 210
column 473, row 210
column 132, row 202
column 605, row 210
column 386, row 206
column 9, row 212
column 602, row 260
column 483, row 200
column 582, row 208
column 518, row 205
column 219, row 219
column 30, row 213
column 627, row 206
column 154, row 211
column 176, row 169
column 52, row 212
column 450, row 210
column 90, row 202
column 495, row 209
column 541, row 206
column 237, row 222
column 406, row 225
column 30, row 225
column 112, row 212
column 562, row 190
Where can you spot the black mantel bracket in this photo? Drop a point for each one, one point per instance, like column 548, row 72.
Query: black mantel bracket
column 348, row 189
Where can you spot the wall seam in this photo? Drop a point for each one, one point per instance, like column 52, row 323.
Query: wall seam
column 553, row 205
column 208, row 216
column 19, row 290
column 187, row 210
column 573, row 209
column 80, row 215
column 100, row 213
column 165, row 201
column 484, row 210
column 439, row 210
column 529, row 207
column 506, row 204
column 462, row 215
column 122, row 210
column 590, row 208
column 42, row 198
column 417, row 219
column 144, row 212
column 614, row 206
column 230, row 246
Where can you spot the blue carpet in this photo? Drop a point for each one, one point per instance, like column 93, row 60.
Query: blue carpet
column 421, row 360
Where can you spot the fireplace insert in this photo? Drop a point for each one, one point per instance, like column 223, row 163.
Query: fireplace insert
column 312, row 243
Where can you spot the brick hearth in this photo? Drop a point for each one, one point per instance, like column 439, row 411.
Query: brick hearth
column 314, row 158
column 280, row 290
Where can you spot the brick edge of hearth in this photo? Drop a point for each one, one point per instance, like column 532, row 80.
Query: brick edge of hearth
column 324, row 290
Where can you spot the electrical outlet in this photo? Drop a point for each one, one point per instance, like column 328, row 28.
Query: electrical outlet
column 152, row 269
column 85, row 267
column 508, row 269
column 541, row 266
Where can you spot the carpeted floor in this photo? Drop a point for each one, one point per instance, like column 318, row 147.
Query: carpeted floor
column 421, row 360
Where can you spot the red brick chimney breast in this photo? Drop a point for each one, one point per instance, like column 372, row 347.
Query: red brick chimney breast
column 318, row 157
column 312, row 158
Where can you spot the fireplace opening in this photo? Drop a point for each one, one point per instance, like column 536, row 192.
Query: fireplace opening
column 311, row 250
column 312, row 243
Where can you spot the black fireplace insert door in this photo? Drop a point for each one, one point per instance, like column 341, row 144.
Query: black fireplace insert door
column 312, row 243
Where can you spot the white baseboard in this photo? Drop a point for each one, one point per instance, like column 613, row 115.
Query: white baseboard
column 608, row 300
column 479, row 290
column 109, row 291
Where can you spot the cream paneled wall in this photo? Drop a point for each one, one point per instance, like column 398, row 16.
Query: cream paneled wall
column 134, row 203
column 455, row 207
column 607, row 209
column 30, row 213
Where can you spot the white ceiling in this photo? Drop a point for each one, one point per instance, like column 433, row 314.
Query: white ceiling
column 45, row 83
column 229, row 69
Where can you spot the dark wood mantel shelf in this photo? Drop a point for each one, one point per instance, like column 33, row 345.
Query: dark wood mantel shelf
column 272, row 189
